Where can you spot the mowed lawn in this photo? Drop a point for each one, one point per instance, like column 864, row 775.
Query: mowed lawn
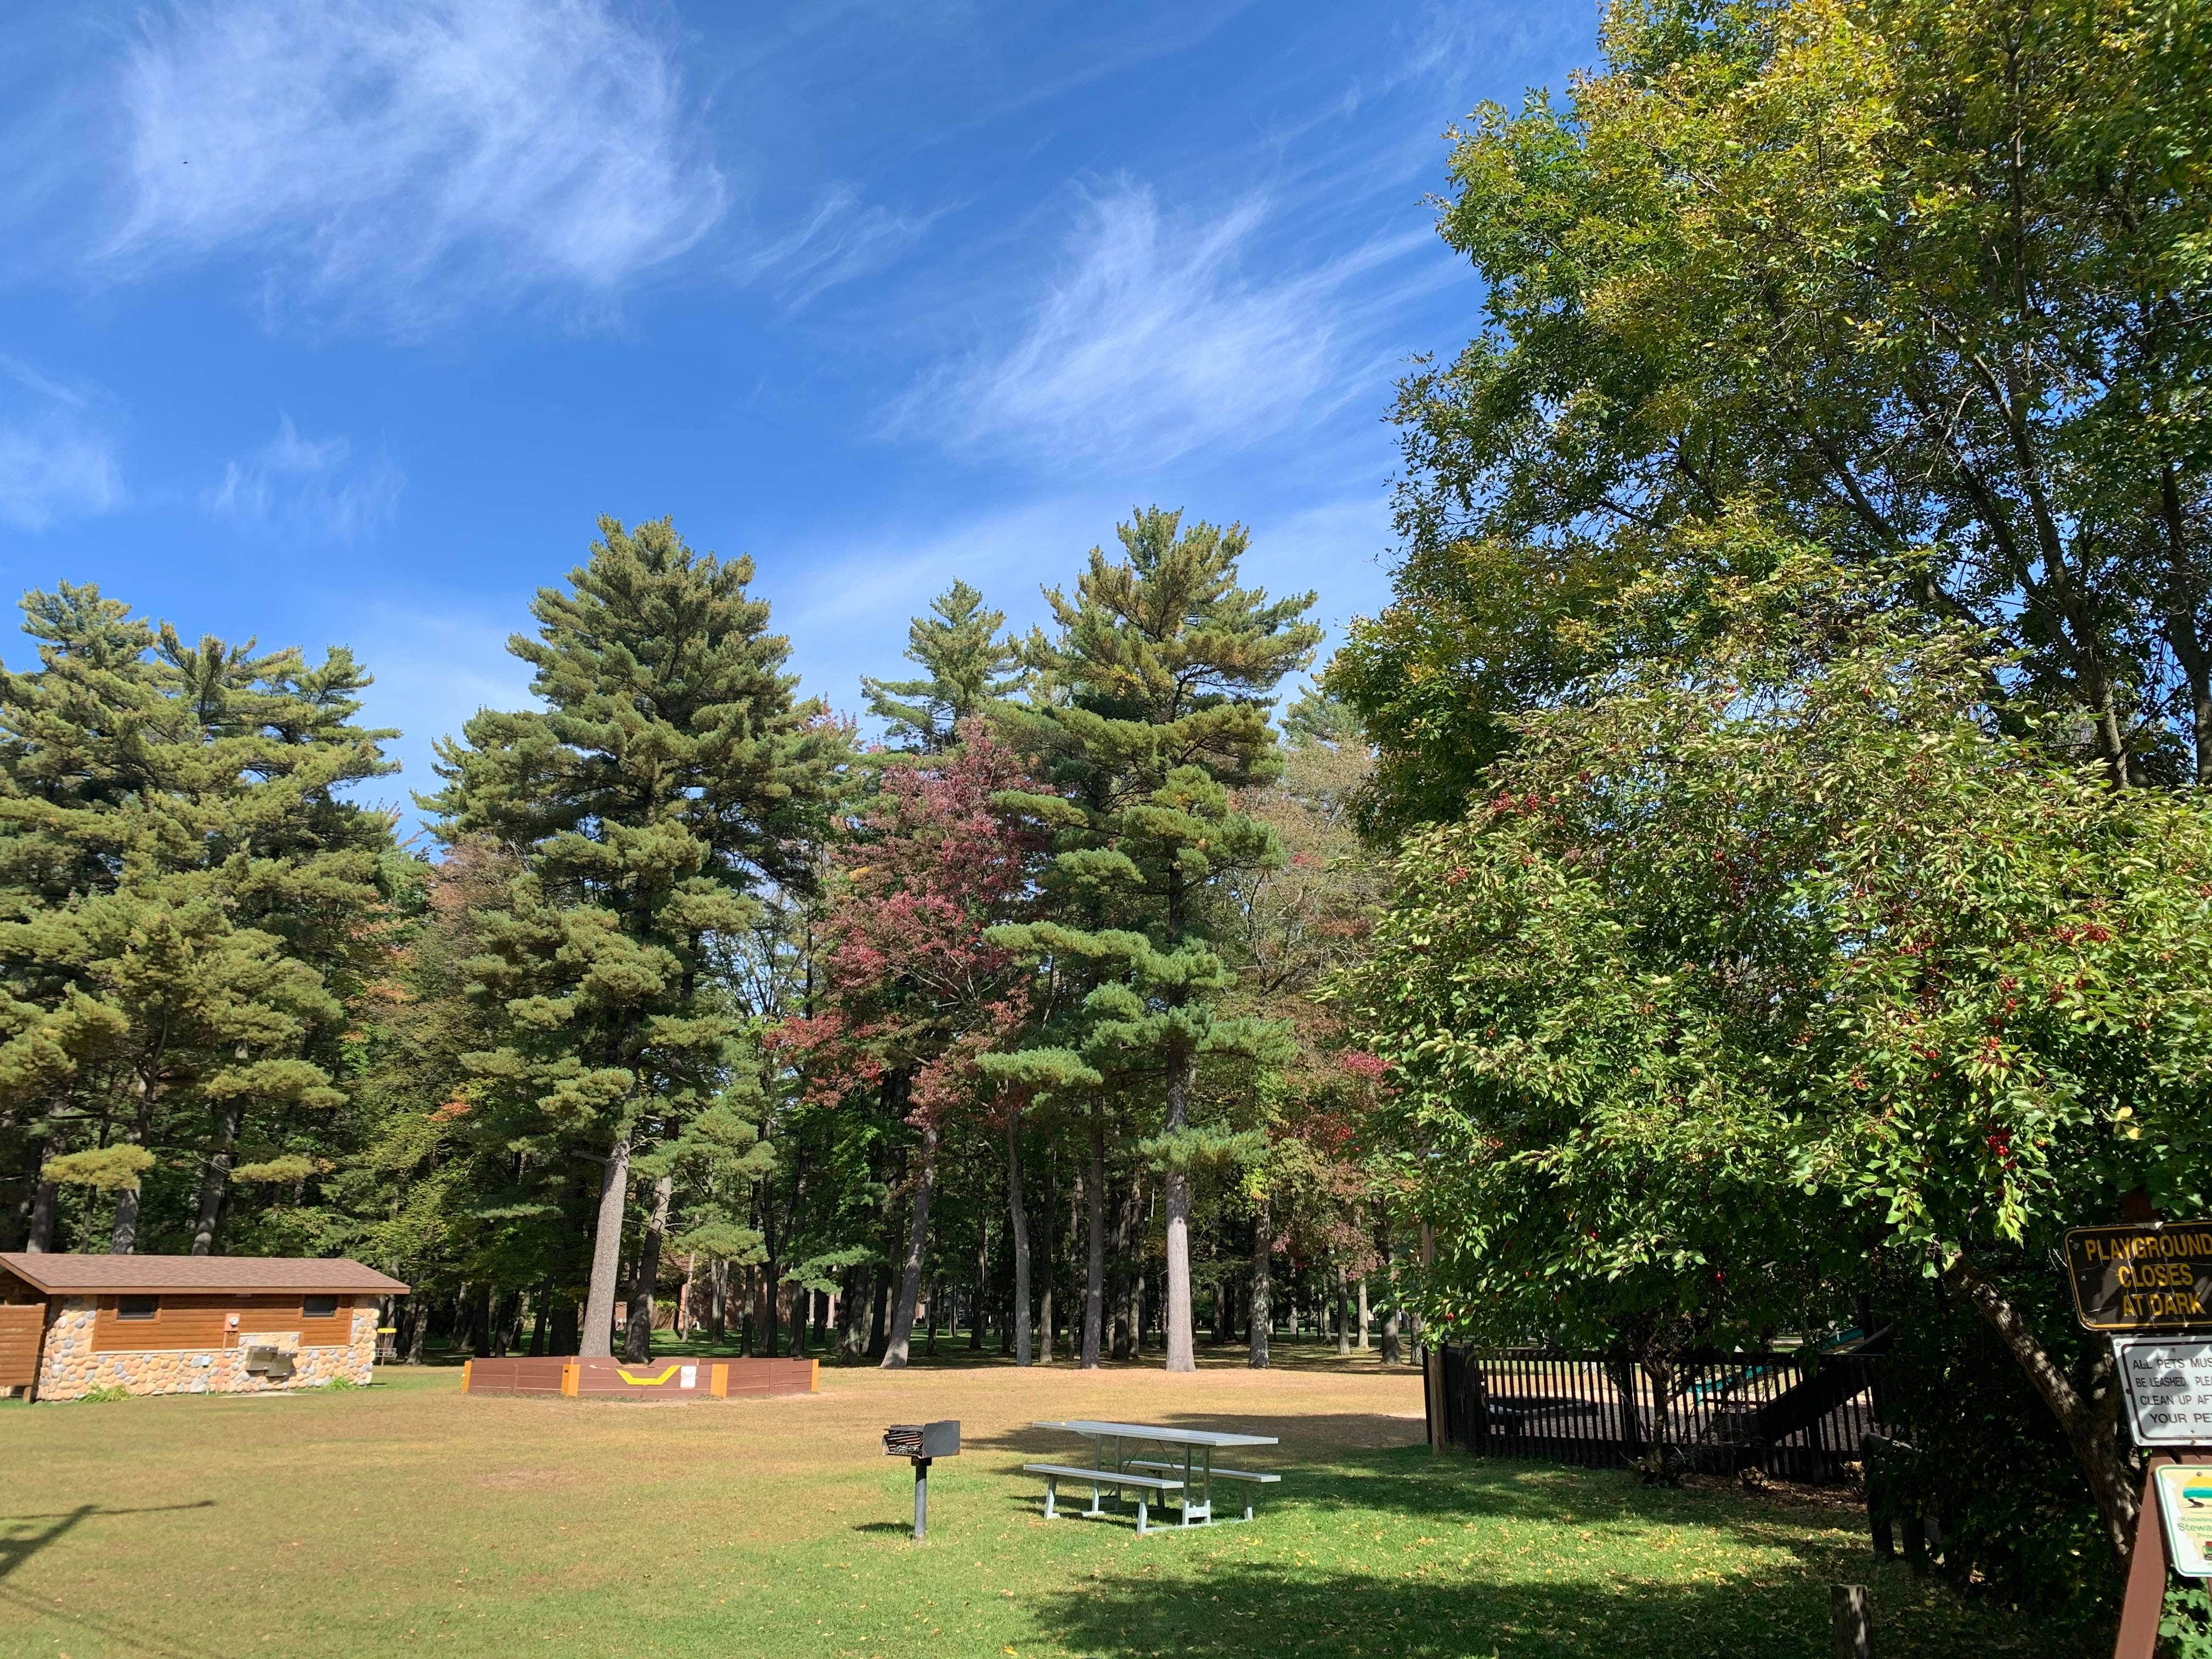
column 409, row 1519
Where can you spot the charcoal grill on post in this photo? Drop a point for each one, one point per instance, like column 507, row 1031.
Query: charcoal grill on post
column 919, row 1444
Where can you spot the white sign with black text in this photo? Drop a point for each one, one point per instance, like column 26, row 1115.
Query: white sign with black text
column 2168, row 1381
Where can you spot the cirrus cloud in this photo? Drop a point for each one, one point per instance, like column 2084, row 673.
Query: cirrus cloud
column 56, row 450
column 407, row 157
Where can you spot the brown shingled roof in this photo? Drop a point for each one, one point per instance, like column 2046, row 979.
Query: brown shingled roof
column 57, row 1273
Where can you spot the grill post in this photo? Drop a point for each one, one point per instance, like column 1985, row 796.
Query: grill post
column 922, row 1444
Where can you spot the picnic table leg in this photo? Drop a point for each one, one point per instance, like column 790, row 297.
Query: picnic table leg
column 1140, row 1515
column 1051, row 1490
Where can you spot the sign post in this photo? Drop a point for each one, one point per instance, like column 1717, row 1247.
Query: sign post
column 2148, row 1286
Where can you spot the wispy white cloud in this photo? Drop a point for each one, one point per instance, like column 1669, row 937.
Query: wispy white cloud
column 843, row 238
column 307, row 488
column 1159, row 335
column 56, row 450
column 407, row 157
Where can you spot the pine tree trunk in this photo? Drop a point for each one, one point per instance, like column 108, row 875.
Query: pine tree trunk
column 1018, row 1217
column 1362, row 1313
column 482, row 1325
column 637, row 1346
column 542, row 1313
column 879, row 1302
column 1393, row 1350
column 46, row 1197
column 1183, row 1355
column 917, row 1243
column 214, row 1177
column 597, row 1340
column 1094, row 1281
column 1263, row 1314
column 979, row 1308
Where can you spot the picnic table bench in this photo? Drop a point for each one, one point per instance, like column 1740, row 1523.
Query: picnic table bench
column 1190, row 1480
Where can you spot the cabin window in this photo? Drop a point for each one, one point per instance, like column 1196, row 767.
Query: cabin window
column 319, row 1307
column 137, row 1307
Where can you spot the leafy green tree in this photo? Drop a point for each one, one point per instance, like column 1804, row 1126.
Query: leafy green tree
column 668, row 776
column 1922, row 281
column 1769, row 959
column 1154, row 705
column 970, row 669
column 1283, row 927
column 188, row 904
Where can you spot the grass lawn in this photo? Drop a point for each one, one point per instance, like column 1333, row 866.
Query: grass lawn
column 408, row 1519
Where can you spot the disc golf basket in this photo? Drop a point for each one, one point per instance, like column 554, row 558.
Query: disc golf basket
column 920, row 1443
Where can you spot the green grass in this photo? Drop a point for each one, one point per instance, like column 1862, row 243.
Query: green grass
column 409, row 1519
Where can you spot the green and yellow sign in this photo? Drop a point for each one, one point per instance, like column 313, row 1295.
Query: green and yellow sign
column 2184, row 1503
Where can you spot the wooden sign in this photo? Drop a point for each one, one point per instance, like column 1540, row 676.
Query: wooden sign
column 2142, row 1277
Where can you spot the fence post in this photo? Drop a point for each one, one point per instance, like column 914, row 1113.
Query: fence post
column 1851, row 1632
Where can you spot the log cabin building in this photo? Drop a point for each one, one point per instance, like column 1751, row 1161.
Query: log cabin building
column 184, row 1324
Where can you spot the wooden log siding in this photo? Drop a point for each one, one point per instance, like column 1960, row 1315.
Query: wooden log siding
column 21, row 1329
column 203, row 1322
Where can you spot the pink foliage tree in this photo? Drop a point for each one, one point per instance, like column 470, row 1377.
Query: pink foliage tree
column 915, row 995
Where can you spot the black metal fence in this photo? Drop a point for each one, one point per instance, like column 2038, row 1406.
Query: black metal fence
column 1797, row 1416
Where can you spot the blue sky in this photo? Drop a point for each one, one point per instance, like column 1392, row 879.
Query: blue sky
column 340, row 322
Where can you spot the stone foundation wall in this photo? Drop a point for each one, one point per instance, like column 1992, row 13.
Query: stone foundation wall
column 70, row 1370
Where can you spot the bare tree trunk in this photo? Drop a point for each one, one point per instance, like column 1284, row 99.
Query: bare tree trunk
column 123, row 1230
column 1019, row 1214
column 214, row 1177
column 1263, row 1314
column 1182, row 1353
column 2091, row 1426
column 1094, row 1202
column 542, row 1313
column 1343, row 1313
column 596, row 1340
column 1393, row 1350
column 637, row 1346
column 917, row 1242
column 44, row 1196
column 1362, row 1313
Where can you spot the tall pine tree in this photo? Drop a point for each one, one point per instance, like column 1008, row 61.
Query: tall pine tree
column 970, row 669
column 1154, row 705
column 187, row 901
column 668, row 777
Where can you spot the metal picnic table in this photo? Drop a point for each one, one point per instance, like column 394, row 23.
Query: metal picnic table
column 1195, row 1447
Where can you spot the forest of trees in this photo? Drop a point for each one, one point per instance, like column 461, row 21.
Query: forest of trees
column 693, row 1007
column 1754, row 878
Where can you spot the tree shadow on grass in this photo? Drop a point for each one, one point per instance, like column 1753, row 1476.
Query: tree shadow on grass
column 1282, row 1612
column 1458, row 1574
column 21, row 1537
